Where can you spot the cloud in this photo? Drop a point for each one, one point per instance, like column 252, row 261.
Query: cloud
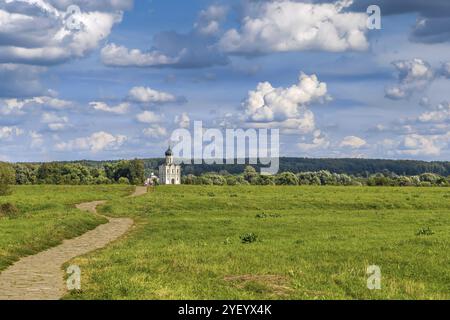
column 431, row 30
column 281, row 26
column 285, row 108
column 148, row 95
column 415, row 145
column 426, row 135
column 113, row 55
column 38, row 32
column 121, row 108
column 183, row 120
column 37, row 139
column 155, row 131
column 148, row 117
column 433, row 22
column 319, row 141
column 98, row 5
column 353, row 142
column 439, row 114
column 210, row 19
column 97, row 142
column 7, row 133
column 18, row 106
column 413, row 76
column 55, row 122
column 194, row 49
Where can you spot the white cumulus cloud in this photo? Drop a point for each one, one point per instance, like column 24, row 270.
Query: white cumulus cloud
column 97, row 142
column 419, row 145
column 279, row 26
column 440, row 114
column 119, row 56
column 38, row 33
column 155, row 131
column 353, row 142
column 54, row 121
column 19, row 106
column 413, row 75
column 319, row 141
column 150, row 96
column 285, row 108
column 148, row 117
column 121, row 108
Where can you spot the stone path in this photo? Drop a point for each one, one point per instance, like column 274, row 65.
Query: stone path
column 40, row 276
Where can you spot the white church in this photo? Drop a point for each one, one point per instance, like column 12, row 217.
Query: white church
column 169, row 173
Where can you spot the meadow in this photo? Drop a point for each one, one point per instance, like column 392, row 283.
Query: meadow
column 273, row 242
column 46, row 215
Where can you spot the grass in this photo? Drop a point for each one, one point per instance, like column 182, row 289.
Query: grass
column 202, row 242
column 46, row 216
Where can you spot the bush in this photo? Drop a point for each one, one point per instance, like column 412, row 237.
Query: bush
column 102, row 180
column 231, row 180
column 249, row 238
column 9, row 210
column 7, row 177
column 287, row 179
column 250, row 175
column 265, row 180
column 123, row 180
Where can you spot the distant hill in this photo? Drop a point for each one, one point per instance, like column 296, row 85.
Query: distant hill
column 358, row 167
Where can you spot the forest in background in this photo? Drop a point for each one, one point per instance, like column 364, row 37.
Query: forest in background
column 356, row 167
column 293, row 171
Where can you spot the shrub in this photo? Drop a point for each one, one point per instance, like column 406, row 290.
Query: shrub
column 217, row 180
column 7, row 177
column 250, row 174
column 266, row 180
column 231, row 180
column 249, row 238
column 123, row 180
column 425, row 232
column 9, row 210
column 102, row 180
column 189, row 179
column 287, row 179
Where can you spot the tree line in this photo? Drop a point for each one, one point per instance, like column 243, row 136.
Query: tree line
column 60, row 173
column 319, row 178
column 135, row 171
column 356, row 167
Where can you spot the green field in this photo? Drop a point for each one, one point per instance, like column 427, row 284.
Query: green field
column 312, row 243
column 47, row 215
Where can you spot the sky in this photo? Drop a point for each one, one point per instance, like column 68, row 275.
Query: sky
column 112, row 79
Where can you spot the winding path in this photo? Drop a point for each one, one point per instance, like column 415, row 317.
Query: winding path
column 40, row 276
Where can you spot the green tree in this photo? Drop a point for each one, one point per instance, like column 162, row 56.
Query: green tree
column 25, row 174
column 136, row 172
column 7, row 178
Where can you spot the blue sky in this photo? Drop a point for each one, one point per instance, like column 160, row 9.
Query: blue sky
column 127, row 73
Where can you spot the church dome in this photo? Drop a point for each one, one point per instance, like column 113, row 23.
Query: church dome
column 169, row 152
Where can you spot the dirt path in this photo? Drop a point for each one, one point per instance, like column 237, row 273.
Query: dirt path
column 40, row 276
